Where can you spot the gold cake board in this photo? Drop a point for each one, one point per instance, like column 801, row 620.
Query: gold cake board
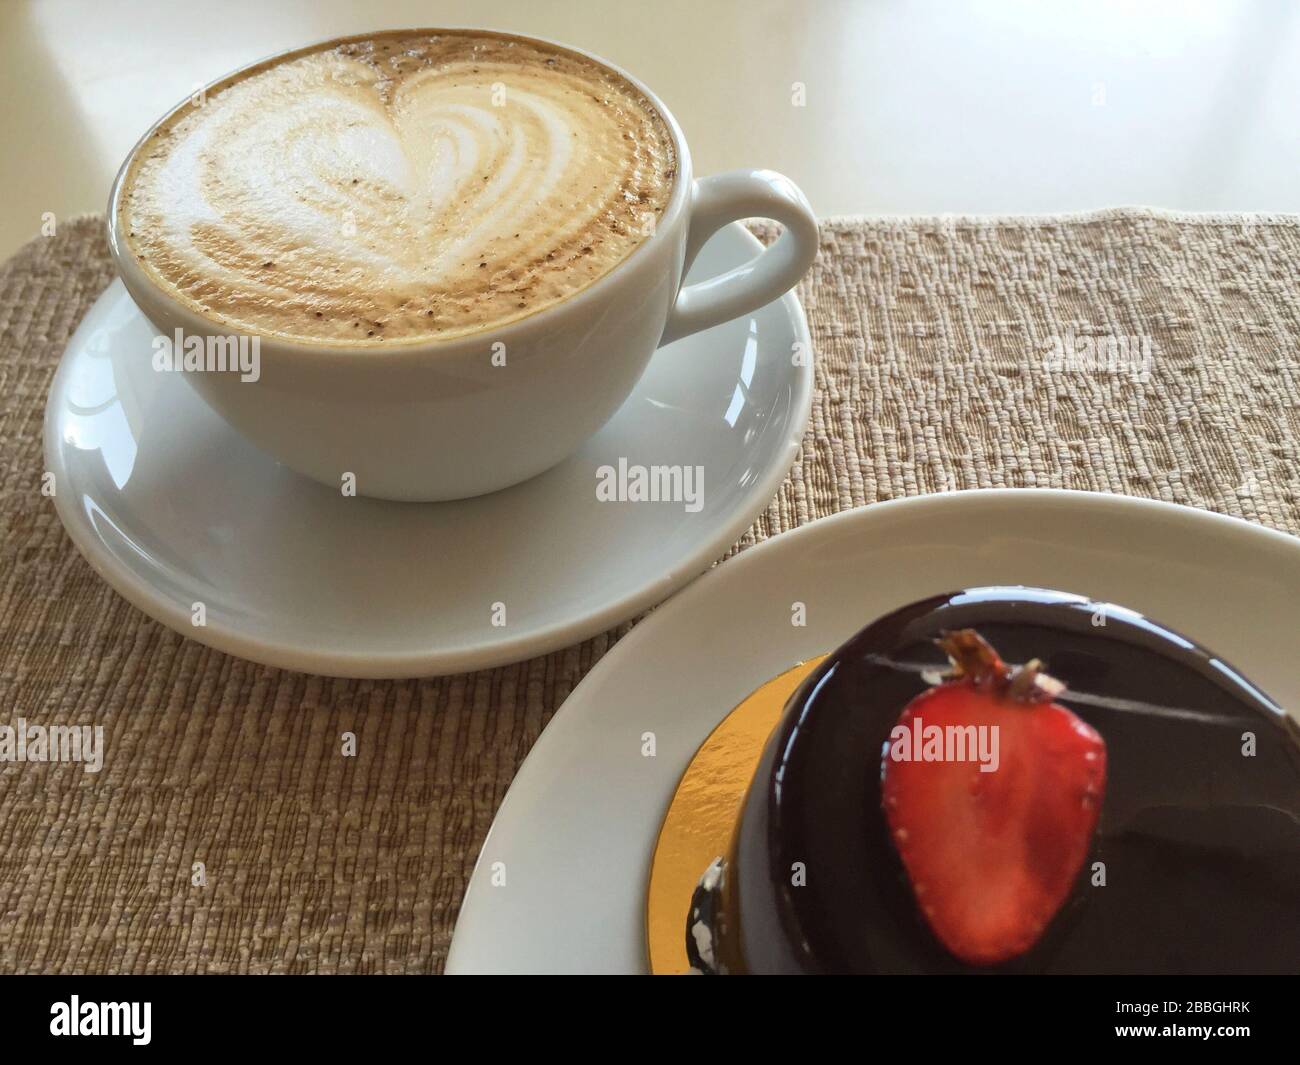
column 698, row 825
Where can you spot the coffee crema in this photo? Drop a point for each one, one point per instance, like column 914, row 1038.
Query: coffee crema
column 403, row 187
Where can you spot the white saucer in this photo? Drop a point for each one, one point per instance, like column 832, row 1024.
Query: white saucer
column 577, row 828
column 172, row 507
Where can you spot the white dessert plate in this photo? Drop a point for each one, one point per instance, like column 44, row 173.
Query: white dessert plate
column 172, row 507
column 560, row 885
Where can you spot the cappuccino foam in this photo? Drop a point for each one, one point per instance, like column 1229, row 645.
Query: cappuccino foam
column 399, row 188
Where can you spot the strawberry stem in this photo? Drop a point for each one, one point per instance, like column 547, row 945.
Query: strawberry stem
column 974, row 659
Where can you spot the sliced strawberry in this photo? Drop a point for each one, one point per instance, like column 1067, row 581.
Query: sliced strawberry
column 992, row 855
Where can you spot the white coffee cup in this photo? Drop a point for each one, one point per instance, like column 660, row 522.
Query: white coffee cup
column 447, row 419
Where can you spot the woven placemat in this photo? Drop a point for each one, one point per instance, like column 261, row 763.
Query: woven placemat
column 1127, row 351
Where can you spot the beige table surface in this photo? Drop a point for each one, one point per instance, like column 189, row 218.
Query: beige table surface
column 911, row 108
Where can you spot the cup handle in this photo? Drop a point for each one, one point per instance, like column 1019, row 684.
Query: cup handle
column 724, row 198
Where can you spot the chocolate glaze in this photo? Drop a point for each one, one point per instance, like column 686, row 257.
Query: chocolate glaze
column 1201, row 844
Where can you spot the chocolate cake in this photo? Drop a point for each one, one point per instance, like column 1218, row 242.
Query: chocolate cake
column 1142, row 814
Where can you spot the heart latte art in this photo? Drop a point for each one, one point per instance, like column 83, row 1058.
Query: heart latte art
column 404, row 187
